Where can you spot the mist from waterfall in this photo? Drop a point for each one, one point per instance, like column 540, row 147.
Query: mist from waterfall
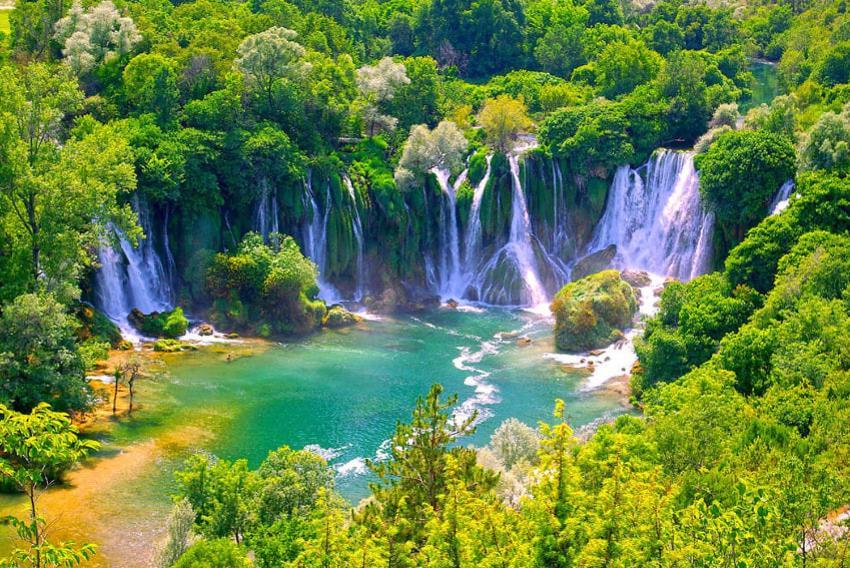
column 133, row 277
column 654, row 217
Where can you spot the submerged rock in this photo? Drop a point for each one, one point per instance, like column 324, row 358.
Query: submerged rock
column 205, row 329
column 523, row 341
column 592, row 312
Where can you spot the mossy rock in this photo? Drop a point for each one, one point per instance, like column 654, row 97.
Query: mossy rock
column 594, row 262
column 170, row 346
column 171, row 324
column 338, row 317
column 95, row 325
column 592, row 312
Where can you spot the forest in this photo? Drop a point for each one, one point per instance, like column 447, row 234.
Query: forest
column 283, row 169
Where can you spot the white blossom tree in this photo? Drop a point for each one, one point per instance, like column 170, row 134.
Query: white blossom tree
column 827, row 144
column 378, row 84
column 270, row 56
column 94, row 36
column 426, row 150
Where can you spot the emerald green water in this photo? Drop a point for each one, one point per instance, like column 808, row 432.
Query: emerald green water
column 765, row 86
column 340, row 391
column 344, row 392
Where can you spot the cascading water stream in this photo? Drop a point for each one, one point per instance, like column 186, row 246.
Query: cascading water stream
column 266, row 216
column 315, row 241
column 132, row 277
column 654, row 217
column 472, row 244
column 357, row 227
column 782, row 198
column 451, row 282
column 520, row 239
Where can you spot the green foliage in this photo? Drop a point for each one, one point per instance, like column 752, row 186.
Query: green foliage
column 171, row 324
column 692, row 320
column 36, row 449
column 593, row 311
column 265, row 284
column 39, row 357
column 740, row 173
column 218, row 553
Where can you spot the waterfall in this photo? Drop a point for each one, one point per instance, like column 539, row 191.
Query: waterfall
column 654, row 217
column 266, row 216
column 315, row 240
column 781, row 199
column 520, row 239
column 511, row 275
column 450, row 279
column 472, row 244
column 357, row 227
column 133, row 277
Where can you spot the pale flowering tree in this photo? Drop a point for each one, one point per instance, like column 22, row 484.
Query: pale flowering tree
column 94, row 36
column 378, row 84
column 826, row 145
column 270, row 56
column 426, row 150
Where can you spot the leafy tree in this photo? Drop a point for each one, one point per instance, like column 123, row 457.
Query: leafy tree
column 219, row 493
column 35, row 449
column 826, row 145
column 61, row 192
column 39, row 359
column 95, row 36
column 150, row 84
column 179, row 535
column 623, row 66
column 271, row 57
column 834, row 68
column 513, row 442
column 503, row 119
column 740, row 173
column 411, row 483
column 217, row 553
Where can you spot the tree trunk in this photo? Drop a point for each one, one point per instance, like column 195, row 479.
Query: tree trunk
column 34, row 518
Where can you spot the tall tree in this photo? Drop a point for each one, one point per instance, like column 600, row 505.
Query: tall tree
column 62, row 191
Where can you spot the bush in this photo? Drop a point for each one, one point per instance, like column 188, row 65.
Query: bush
column 591, row 312
column 218, row 553
column 171, row 324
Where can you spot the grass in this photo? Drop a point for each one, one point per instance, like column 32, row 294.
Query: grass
column 4, row 21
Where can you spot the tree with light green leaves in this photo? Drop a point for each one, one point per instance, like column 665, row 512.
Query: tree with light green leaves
column 59, row 189
column 35, row 449
column 503, row 120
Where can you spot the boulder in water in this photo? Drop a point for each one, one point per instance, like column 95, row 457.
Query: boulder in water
column 205, row 329
column 523, row 341
column 590, row 313
column 338, row 317
column 452, row 303
column 594, row 262
column 637, row 278
column 171, row 324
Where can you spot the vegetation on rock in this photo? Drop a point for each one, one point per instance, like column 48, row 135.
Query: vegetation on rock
column 592, row 312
